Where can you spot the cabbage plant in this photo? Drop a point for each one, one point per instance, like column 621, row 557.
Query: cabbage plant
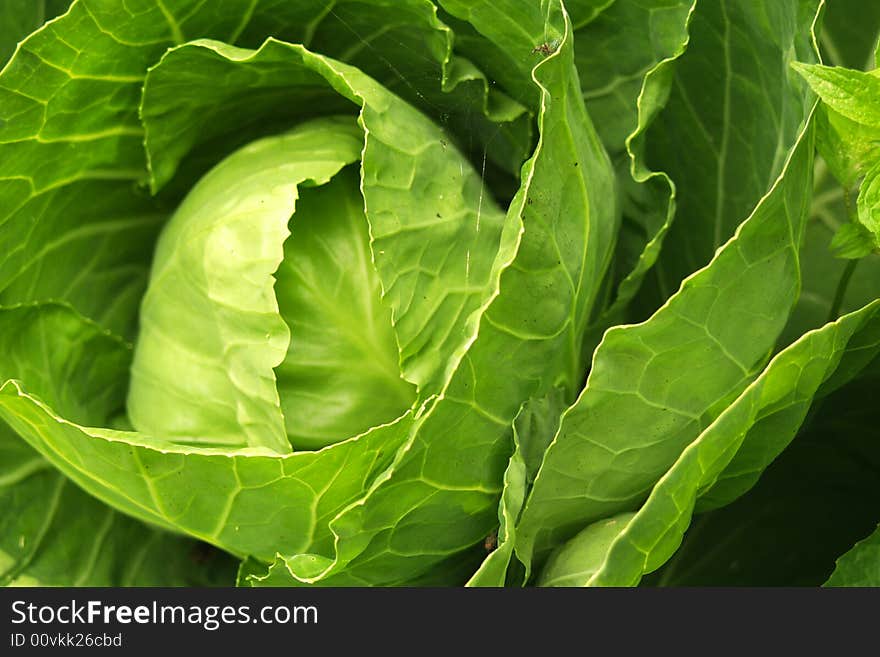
column 402, row 292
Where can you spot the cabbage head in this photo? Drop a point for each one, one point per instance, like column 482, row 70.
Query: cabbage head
column 403, row 292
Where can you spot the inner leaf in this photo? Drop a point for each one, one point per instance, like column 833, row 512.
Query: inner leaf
column 341, row 374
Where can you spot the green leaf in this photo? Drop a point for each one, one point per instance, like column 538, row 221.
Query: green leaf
column 853, row 94
column 509, row 37
column 71, row 153
column 625, row 89
column 860, row 566
column 763, row 419
column 533, row 429
column 824, row 276
column 759, row 449
column 853, row 241
column 614, row 74
column 494, row 569
column 340, row 375
column 734, row 113
column 809, row 506
column 515, row 30
column 54, row 534
column 248, row 501
column 231, row 500
column 639, row 409
column 868, row 203
column 577, row 562
column 848, row 147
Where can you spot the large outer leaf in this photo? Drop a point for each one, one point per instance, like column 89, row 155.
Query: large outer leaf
column 403, row 45
column 51, row 532
column 811, row 504
column 624, row 89
column 247, row 501
column 761, row 448
column 769, row 412
column 731, row 119
column 71, row 150
column 627, row 88
column 655, row 386
column 54, row 534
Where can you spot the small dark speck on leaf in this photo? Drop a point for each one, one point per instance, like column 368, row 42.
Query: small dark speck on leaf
column 438, row 216
column 491, row 542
